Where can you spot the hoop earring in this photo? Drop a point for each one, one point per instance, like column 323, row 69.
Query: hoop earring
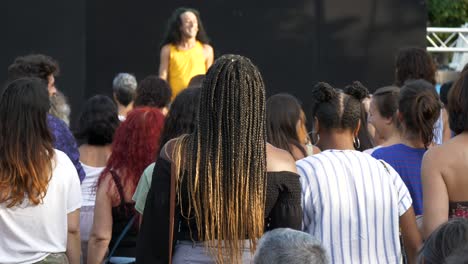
column 313, row 141
column 356, row 143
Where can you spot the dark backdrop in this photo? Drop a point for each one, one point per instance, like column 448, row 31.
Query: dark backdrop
column 295, row 43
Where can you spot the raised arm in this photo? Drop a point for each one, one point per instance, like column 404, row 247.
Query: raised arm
column 435, row 195
column 164, row 62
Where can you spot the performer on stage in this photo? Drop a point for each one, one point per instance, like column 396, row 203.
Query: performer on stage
column 185, row 50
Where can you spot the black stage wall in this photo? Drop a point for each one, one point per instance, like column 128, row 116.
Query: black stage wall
column 294, row 43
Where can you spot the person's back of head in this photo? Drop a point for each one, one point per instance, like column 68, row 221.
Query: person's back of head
column 414, row 63
column 124, row 86
column 283, row 120
column 227, row 150
column 459, row 256
column 445, row 241
column 458, row 104
column 35, row 65
column 98, row 121
column 134, row 147
column 153, row 91
column 284, row 245
column 196, row 81
column 182, row 117
column 419, row 108
column 25, row 142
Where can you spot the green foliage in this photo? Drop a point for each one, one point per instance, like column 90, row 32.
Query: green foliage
column 447, row 13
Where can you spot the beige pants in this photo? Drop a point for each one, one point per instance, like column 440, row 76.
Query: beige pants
column 54, row 258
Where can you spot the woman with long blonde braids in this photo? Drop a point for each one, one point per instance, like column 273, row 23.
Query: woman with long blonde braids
column 231, row 185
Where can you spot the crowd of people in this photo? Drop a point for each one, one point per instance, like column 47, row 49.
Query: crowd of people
column 197, row 165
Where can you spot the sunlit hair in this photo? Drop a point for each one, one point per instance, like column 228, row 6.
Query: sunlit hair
column 26, row 154
column 223, row 163
column 136, row 142
column 283, row 111
column 173, row 35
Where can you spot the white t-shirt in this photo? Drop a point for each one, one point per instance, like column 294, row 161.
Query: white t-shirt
column 88, row 186
column 29, row 233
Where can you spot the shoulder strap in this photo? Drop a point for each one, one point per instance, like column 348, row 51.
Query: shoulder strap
column 119, row 186
column 171, row 211
column 121, row 236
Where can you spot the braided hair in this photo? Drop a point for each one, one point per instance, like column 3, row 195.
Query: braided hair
column 335, row 109
column 224, row 160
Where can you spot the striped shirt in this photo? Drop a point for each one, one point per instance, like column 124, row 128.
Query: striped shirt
column 352, row 203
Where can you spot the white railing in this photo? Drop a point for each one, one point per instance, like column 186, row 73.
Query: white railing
column 447, row 39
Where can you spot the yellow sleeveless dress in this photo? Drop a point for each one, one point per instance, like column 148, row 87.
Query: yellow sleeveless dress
column 183, row 65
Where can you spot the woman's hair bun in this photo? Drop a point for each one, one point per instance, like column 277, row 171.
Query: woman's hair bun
column 324, row 92
column 357, row 90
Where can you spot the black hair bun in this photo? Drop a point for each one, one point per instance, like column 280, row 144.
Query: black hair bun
column 357, row 90
column 324, row 92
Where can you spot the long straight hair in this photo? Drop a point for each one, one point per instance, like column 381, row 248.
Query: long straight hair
column 224, row 161
column 26, row 156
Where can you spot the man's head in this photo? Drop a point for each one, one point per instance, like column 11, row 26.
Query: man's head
column 124, row 87
column 184, row 23
column 35, row 65
column 153, row 92
column 284, row 245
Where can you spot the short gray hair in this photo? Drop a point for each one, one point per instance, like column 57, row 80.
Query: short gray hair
column 124, row 87
column 285, row 245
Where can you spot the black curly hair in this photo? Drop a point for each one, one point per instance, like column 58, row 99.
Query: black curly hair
column 153, row 92
column 98, row 121
column 414, row 63
column 33, row 65
column 173, row 35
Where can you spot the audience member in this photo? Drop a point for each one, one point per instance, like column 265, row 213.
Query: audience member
column 40, row 195
column 134, row 147
column 196, row 81
column 180, row 120
column 444, row 167
column 153, row 92
column 458, row 256
column 185, row 49
column 444, row 241
column 352, row 202
column 45, row 68
column 284, row 245
column 418, row 110
column 219, row 173
column 124, row 87
column 415, row 63
column 383, row 116
column 96, row 127
column 60, row 108
column 286, row 126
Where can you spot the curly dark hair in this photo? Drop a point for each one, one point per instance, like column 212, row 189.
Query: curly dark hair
column 33, row 65
column 172, row 34
column 98, row 121
column 414, row 63
column 153, row 92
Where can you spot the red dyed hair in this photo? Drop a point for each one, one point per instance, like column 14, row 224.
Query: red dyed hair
column 135, row 146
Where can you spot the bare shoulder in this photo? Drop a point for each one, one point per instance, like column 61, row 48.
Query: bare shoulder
column 435, row 156
column 166, row 49
column 207, row 48
column 279, row 160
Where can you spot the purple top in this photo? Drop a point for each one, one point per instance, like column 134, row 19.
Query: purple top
column 64, row 141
